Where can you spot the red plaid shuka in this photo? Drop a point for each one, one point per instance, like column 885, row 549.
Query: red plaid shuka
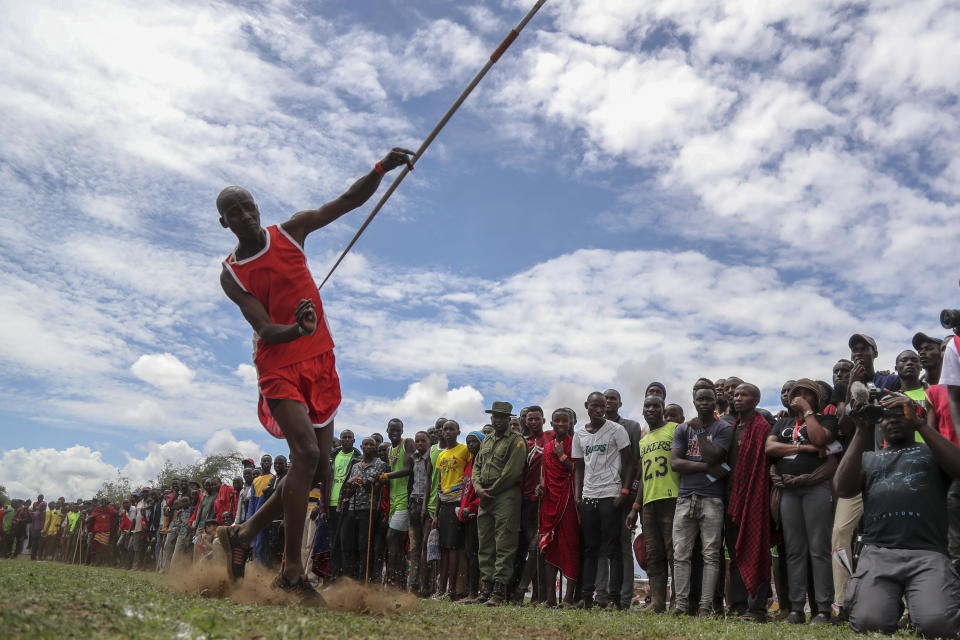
column 750, row 505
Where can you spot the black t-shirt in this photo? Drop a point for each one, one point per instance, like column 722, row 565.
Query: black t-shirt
column 905, row 499
column 791, row 430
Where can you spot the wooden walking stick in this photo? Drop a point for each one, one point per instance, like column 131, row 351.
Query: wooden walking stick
column 76, row 548
column 366, row 578
column 507, row 41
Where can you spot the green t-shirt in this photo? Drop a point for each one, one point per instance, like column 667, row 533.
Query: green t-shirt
column 434, row 480
column 660, row 481
column 398, row 486
column 340, row 464
column 72, row 517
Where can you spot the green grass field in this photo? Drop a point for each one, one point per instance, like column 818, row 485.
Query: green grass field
column 57, row 601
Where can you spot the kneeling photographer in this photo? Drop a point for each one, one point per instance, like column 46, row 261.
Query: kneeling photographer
column 904, row 490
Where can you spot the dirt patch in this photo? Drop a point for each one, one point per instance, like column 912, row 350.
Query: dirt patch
column 348, row 595
column 209, row 579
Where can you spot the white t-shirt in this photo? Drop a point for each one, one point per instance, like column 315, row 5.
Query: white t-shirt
column 950, row 370
column 601, row 459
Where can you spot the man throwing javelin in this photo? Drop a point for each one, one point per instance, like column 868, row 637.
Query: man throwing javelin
column 268, row 278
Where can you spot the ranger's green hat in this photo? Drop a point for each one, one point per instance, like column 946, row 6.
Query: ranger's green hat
column 504, row 408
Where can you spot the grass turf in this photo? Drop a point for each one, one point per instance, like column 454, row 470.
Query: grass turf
column 52, row 600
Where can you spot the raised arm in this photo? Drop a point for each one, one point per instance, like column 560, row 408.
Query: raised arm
column 848, row 479
column 305, row 222
column 944, row 452
column 953, row 394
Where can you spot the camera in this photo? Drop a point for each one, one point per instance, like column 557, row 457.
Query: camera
column 865, row 402
column 950, row 319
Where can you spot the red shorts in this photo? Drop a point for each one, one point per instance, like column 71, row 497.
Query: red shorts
column 313, row 383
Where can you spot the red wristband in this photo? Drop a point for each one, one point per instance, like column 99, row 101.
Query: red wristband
column 637, row 506
column 563, row 457
column 379, row 168
column 625, row 491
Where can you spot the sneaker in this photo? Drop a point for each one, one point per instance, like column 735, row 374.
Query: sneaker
column 796, row 617
column 236, row 552
column 302, row 589
column 820, row 618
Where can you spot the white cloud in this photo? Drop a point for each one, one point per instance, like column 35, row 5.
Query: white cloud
column 142, row 470
column 223, row 441
column 247, row 373
column 428, row 399
column 74, row 472
column 163, row 370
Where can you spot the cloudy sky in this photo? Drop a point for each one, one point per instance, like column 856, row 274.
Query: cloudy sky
column 637, row 191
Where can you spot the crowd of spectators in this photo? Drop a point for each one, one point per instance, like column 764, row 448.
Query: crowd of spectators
column 844, row 503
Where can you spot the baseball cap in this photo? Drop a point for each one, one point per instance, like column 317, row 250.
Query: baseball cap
column 861, row 337
column 921, row 338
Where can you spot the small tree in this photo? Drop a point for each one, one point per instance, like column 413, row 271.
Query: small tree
column 4, row 498
column 224, row 466
column 115, row 490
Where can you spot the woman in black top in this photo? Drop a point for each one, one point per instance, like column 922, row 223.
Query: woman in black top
column 798, row 444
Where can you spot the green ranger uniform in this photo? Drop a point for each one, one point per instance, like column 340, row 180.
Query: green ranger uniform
column 498, row 468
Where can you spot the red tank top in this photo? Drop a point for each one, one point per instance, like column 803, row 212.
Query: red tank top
column 278, row 277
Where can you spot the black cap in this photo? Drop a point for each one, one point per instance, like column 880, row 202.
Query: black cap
column 921, row 338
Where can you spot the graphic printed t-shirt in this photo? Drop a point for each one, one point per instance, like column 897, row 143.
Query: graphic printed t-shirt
column 904, row 499
column 720, row 433
column 792, row 430
column 660, row 481
column 340, row 464
column 450, row 465
column 601, row 459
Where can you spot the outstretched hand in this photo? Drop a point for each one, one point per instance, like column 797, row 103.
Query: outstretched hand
column 396, row 157
column 306, row 316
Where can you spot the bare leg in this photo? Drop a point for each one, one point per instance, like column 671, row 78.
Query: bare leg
column 395, row 559
column 453, row 565
column 444, row 570
column 292, row 492
column 550, row 590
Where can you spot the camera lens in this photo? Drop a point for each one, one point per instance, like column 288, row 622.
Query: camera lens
column 950, row 318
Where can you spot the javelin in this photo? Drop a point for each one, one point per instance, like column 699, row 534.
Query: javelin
column 433, row 134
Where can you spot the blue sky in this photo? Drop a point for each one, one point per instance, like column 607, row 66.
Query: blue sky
column 637, row 191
